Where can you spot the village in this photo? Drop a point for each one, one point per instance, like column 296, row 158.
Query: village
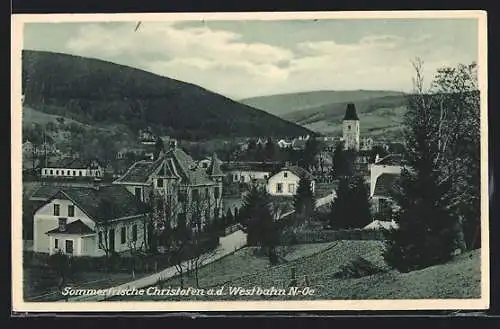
column 81, row 208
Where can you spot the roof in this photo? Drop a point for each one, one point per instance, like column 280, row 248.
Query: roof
column 214, row 166
column 176, row 163
column 139, row 172
column 299, row 171
column 350, row 112
column 385, row 185
column 378, row 224
column 251, row 166
column 76, row 227
column 70, row 163
column 391, row 160
column 88, row 199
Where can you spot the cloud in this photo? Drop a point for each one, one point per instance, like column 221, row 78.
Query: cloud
column 224, row 61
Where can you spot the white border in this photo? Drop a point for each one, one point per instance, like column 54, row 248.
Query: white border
column 18, row 303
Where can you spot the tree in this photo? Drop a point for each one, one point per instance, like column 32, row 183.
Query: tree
column 229, row 219
column 303, row 200
column 343, row 161
column 429, row 228
column 351, row 208
column 261, row 226
column 159, row 147
column 269, row 149
column 310, row 151
column 61, row 264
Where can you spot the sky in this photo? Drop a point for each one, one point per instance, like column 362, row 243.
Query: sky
column 241, row 59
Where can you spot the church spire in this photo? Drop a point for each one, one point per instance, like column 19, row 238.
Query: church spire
column 350, row 112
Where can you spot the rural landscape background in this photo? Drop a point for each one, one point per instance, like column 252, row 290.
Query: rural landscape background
column 341, row 155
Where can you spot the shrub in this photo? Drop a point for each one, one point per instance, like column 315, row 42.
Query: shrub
column 357, row 268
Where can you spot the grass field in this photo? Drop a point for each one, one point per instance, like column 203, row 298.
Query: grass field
column 459, row 278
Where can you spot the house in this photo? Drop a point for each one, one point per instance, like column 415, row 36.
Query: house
column 124, row 152
column 390, row 164
column 382, row 193
column 146, row 136
column 72, row 168
column 87, row 221
column 181, row 180
column 299, row 143
column 283, row 144
column 204, row 163
column 367, row 143
column 286, row 181
column 247, row 172
column 378, row 225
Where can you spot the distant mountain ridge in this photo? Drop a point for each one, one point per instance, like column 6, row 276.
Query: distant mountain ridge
column 380, row 112
column 97, row 92
column 284, row 104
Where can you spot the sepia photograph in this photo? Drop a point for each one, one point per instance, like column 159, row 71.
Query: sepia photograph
column 250, row 161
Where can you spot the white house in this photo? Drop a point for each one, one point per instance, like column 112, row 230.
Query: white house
column 248, row 172
column 73, row 168
column 73, row 220
column 286, row 181
column 384, row 174
column 283, row 144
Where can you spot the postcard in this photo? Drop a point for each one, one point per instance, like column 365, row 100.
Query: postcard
column 250, row 161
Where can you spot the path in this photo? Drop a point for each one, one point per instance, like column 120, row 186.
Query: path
column 228, row 244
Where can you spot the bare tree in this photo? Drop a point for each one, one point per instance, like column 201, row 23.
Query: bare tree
column 106, row 211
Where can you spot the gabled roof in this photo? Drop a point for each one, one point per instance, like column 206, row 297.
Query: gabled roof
column 350, row 112
column 298, row 171
column 176, row 164
column 121, row 202
column 385, row 185
column 77, row 227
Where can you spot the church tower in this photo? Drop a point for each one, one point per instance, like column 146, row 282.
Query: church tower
column 350, row 128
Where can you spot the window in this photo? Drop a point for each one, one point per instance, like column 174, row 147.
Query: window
column 134, row 232
column 51, row 172
column 74, row 172
column 67, row 173
column 99, row 243
column 56, row 210
column 349, row 127
column 279, row 188
column 56, row 243
column 123, row 235
column 285, row 174
column 138, row 193
column 291, row 188
column 235, row 178
column 71, row 211
column 62, row 224
column 159, row 182
column 206, row 192
column 194, row 194
column 265, row 176
column 80, row 173
column 69, row 246
column 57, row 172
column 217, row 192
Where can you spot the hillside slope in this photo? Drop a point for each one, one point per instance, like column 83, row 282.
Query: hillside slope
column 377, row 115
column 284, row 104
column 96, row 92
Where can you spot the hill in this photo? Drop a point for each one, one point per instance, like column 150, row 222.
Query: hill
column 376, row 115
column 101, row 93
column 284, row 104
